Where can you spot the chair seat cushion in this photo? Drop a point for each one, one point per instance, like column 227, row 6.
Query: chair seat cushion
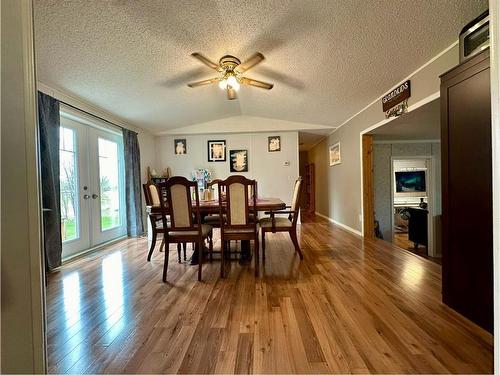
column 205, row 231
column 238, row 230
column 280, row 222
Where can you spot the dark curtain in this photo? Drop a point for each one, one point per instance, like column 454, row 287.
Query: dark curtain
column 133, row 195
column 48, row 123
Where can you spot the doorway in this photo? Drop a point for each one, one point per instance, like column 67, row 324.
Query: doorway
column 412, row 204
column 92, row 185
column 405, row 151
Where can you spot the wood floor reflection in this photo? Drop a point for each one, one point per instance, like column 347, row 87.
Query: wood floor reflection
column 350, row 306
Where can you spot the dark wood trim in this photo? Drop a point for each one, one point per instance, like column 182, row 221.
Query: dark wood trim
column 368, row 193
column 310, row 188
column 485, row 55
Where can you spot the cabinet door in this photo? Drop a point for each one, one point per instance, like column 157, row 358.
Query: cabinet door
column 467, row 194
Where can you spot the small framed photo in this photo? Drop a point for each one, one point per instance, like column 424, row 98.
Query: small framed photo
column 274, row 143
column 216, row 150
column 180, row 147
column 334, row 153
column 238, row 160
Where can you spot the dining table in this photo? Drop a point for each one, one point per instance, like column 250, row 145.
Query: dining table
column 210, row 207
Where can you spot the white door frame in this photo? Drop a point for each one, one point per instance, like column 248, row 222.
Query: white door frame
column 431, row 199
column 23, row 316
column 495, row 136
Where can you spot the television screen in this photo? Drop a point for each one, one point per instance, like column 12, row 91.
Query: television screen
column 410, row 182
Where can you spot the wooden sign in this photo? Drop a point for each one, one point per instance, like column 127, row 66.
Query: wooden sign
column 396, row 96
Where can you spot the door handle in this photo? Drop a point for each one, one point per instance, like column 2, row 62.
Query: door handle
column 86, row 196
column 95, row 196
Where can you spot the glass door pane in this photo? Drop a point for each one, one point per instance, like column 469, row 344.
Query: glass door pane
column 73, row 181
column 68, row 178
column 109, row 184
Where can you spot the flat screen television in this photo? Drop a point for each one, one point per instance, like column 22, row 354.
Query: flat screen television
column 412, row 182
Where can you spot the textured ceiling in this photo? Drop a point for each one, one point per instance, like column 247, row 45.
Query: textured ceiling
column 327, row 58
column 422, row 123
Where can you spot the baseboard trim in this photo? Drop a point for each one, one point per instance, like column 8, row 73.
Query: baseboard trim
column 94, row 249
column 343, row 226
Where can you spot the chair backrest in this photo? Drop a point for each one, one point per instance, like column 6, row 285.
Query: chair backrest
column 179, row 204
column 296, row 199
column 215, row 184
column 239, row 201
column 151, row 194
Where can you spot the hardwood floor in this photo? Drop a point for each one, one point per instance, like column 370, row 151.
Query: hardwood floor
column 401, row 240
column 349, row 306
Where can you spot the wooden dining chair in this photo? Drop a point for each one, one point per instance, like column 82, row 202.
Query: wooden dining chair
column 152, row 198
column 238, row 207
column 284, row 224
column 184, row 226
column 214, row 219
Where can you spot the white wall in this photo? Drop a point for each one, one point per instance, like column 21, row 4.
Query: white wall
column 273, row 177
column 338, row 188
column 148, row 159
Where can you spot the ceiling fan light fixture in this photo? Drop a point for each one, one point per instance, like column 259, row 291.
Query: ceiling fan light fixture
column 233, row 82
column 231, row 69
column 229, row 81
column 223, row 84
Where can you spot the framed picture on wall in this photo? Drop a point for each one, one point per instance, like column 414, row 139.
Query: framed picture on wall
column 238, row 161
column 274, row 143
column 216, row 150
column 334, row 154
column 180, row 147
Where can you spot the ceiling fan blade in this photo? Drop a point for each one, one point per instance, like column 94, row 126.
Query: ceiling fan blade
column 231, row 93
column 205, row 60
column 254, row 82
column 204, row 82
column 255, row 59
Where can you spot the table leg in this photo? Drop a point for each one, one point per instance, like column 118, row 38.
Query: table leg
column 246, row 255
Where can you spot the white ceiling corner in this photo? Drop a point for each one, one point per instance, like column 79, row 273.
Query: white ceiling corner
column 245, row 124
column 327, row 58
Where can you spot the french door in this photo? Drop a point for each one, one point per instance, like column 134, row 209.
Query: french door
column 92, row 186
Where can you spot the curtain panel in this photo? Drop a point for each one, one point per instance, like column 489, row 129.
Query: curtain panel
column 48, row 124
column 133, row 195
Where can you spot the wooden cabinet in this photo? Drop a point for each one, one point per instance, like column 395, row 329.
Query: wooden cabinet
column 467, row 190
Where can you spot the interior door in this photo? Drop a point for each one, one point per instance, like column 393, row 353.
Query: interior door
column 108, row 182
